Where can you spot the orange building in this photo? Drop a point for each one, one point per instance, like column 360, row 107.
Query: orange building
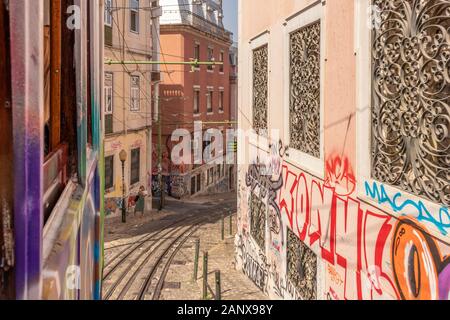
column 189, row 95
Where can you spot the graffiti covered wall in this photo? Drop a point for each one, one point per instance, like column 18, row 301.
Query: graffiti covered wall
column 362, row 252
column 195, row 182
column 318, row 226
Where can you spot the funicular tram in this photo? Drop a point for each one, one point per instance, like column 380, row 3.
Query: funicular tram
column 51, row 163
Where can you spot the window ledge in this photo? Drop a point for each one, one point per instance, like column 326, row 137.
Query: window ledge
column 58, row 218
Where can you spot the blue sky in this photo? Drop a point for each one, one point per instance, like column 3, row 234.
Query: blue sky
column 230, row 8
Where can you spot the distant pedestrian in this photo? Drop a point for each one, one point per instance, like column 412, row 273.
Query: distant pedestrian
column 140, row 201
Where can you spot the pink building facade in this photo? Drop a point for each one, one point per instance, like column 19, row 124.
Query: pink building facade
column 355, row 205
column 193, row 95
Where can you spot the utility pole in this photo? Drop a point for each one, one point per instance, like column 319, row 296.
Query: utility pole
column 155, row 13
column 160, row 155
column 155, row 63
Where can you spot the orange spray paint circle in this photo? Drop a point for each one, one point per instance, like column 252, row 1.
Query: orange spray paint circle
column 414, row 256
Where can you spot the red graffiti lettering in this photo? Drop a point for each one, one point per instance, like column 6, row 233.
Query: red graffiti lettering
column 339, row 175
column 317, row 213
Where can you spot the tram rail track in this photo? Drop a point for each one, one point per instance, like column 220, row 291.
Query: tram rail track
column 149, row 260
column 160, row 283
column 135, row 246
column 147, row 253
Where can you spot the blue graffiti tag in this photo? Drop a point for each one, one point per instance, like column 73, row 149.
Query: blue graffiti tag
column 379, row 194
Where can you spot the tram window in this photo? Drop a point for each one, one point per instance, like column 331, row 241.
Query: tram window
column 60, row 106
column 47, row 46
column 52, row 75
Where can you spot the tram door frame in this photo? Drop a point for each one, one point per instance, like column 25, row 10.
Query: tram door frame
column 6, row 160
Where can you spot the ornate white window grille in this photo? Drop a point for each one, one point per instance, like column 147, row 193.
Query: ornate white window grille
column 301, row 267
column 260, row 89
column 410, row 112
column 304, row 94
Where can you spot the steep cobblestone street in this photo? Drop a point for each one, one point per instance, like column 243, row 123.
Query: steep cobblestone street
column 147, row 258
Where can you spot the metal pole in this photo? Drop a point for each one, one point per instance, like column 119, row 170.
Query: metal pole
column 196, row 258
column 205, row 275
column 218, row 286
column 223, row 228
column 156, row 67
column 124, row 212
column 160, row 156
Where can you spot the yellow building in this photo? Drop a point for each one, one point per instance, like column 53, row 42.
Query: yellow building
column 129, row 36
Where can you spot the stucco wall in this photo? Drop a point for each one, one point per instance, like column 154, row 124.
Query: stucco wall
column 354, row 235
column 177, row 89
column 113, row 146
column 177, row 95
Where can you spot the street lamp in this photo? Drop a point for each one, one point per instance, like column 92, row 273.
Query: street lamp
column 123, row 157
